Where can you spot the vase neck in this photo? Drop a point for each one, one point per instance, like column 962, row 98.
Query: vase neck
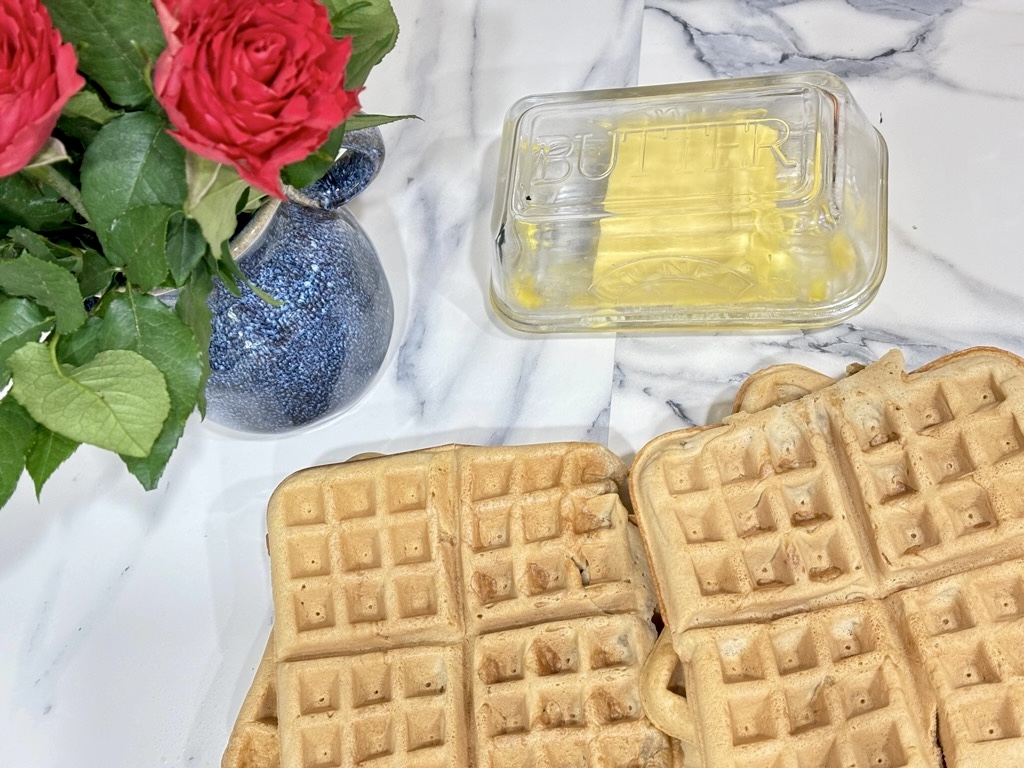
column 362, row 154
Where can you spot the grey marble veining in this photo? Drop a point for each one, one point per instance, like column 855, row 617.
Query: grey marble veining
column 951, row 280
column 851, row 39
column 452, row 185
column 151, row 609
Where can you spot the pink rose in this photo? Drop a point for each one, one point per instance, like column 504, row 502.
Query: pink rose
column 38, row 74
column 257, row 84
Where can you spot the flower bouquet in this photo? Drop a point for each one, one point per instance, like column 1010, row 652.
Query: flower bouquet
column 135, row 135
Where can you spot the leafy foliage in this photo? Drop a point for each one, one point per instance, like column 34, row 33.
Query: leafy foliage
column 373, row 27
column 112, row 215
column 374, row 30
column 115, row 40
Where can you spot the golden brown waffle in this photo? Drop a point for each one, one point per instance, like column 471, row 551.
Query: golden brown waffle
column 962, row 638
column 879, row 481
column 359, row 555
column 967, row 634
column 776, row 385
column 398, row 707
column 522, row 683
column 565, row 694
column 253, row 742
column 545, row 536
column 830, row 688
column 397, row 580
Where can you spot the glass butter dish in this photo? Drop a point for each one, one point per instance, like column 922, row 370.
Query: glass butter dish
column 746, row 203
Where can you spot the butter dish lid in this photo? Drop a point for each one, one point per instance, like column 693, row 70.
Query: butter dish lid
column 745, row 203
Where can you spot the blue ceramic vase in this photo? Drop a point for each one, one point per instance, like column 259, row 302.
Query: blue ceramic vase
column 314, row 351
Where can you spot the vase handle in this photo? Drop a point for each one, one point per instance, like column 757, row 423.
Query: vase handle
column 360, row 161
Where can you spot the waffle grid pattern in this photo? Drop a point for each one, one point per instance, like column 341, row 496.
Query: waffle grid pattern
column 815, row 689
column 366, row 561
column 758, row 517
column 937, row 478
column 536, row 687
column 374, row 560
column 924, row 472
column 877, row 483
column 970, row 632
column 402, row 707
column 541, row 540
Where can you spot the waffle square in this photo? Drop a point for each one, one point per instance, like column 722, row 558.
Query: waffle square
column 877, row 482
column 391, row 708
column 390, row 573
column 968, row 632
column 830, row 687
column 565, row 693
column 364, row 554
column 544, row 536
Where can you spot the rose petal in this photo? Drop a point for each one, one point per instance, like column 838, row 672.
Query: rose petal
column 255, row 84
column 39, row 74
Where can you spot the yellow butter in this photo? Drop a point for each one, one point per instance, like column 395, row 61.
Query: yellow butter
column 757, row 202
column 695, row 217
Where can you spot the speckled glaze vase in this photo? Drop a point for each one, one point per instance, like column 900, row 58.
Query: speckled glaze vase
column 276, row 368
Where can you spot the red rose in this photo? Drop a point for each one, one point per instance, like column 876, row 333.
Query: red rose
column 38, row 74
column 257, row 85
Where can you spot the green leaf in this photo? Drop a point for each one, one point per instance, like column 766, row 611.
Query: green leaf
column 192, row 306
column 133, row 162
column 213, row 194
column 117, row 401
column 96, row 273
column 16, row 431
column 27, row 202
column 87, row 105
column 185, row 247
column 150, row 469
column 140, row 237
column 53, row 287
column 21, row 320
column 374, row 30
column 360, row 121
column 48, row 451
column 116, row 40
column 35, row 244
column 251, row 201
column 146, row 325
column 53, row 152
column 193, row 310
column 305, row 172
column 82, row 345
column 65, row 256
column 232, row 275
column 84, row 115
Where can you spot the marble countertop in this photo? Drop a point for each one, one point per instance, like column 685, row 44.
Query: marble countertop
column 131, row 622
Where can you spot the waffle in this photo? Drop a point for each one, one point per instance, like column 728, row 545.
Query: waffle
column 253, row 742
column 960, row 637
column 520, row 672
column 966, row 633
column 565, row 693
column 825, row 688
column 880, row 481
column 417, row 595
column 776, row 385
column 398, row 707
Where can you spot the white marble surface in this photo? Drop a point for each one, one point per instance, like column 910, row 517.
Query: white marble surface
column 131, row 622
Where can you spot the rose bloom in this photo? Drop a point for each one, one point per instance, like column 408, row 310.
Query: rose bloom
column 38, row 74
column 256, row 85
